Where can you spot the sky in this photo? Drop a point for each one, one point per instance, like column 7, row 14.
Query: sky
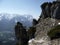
column 30, row 7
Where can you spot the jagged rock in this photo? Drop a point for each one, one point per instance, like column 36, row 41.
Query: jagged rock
column 53, row 7
column 43, row 6
column 51, row 10
column 41, row 32
column 50, row 17
column 57, row 11
column 42, row 28
column 35, row 22
column 46, row 9
column 21, row 34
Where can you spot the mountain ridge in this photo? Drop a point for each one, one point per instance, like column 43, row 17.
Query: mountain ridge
column 8, row 21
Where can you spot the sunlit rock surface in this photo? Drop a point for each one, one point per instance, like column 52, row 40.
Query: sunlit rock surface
column 50, row 17
column 42, row 41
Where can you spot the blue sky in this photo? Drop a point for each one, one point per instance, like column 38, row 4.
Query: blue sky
column 31, row 7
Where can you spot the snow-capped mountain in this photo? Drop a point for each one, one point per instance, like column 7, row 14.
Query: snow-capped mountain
column 8, row 21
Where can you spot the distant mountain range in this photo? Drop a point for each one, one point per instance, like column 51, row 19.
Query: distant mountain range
column 8, row 21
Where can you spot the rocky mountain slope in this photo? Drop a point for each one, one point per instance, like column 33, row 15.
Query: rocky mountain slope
column 50, row 18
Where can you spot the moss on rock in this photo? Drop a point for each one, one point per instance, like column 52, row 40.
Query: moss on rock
column 54, row 32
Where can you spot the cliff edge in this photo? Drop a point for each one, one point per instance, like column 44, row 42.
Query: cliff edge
column 50, row 18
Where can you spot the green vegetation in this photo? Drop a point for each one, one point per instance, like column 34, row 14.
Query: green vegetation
column 54, row 32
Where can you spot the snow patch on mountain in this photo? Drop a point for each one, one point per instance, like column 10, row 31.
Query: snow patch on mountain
column 8, row 21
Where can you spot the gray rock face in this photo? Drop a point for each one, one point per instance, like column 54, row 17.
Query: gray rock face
column 42, row 41
column 21, row 34
column 57, row 12
column 55, row 42
column 45, row 8
column 58, row 0
column 50, row 17
column 50, row 10
column 42, row 28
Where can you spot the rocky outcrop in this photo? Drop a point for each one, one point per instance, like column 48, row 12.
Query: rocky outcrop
column 50, row 10
column 58, row 0
column 35, row 22
column 41, row 41
column 38, row 33
column 21, row 34
column 50, row 17
column 55, row 42
column 42, row 28
column 31, row 31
